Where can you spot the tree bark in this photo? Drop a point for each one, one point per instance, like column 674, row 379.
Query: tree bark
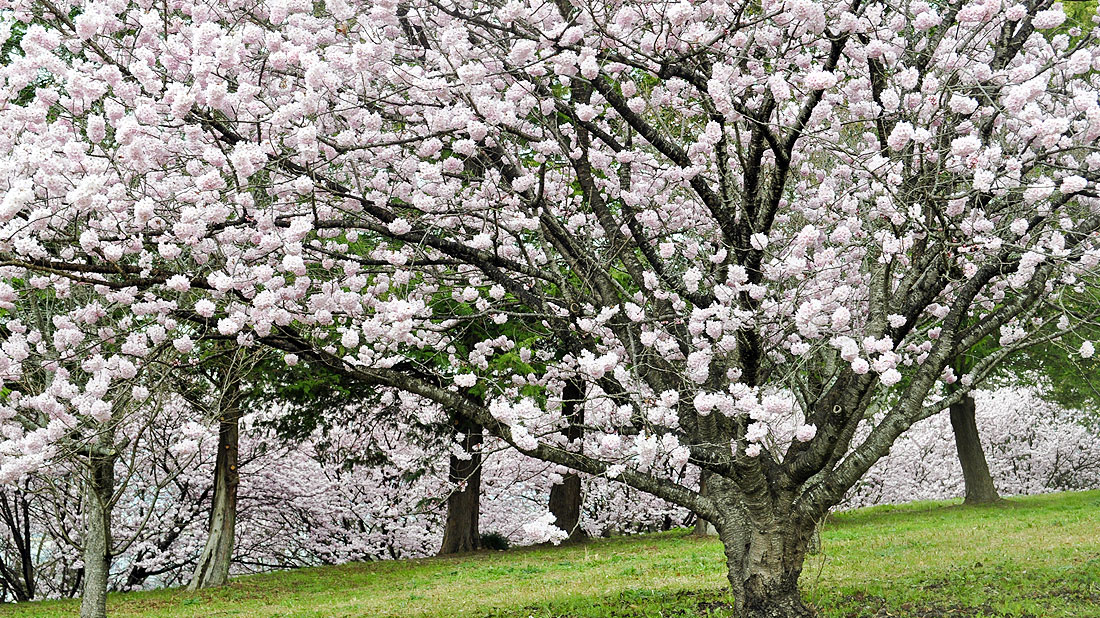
column 765, row 559
column 704, row 527
column 979, row 483
column 97, row 532
column 765, row 539
column 16, row 515
column 461, row 534
column 566, row 498
column 565, row 506
column 213, row 566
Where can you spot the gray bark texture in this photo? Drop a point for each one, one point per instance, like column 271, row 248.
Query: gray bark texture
column 97, row 533
column 765, row 549
column 979, row 482
column 213, row 565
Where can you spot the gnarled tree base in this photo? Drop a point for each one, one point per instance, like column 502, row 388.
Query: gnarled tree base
column 765, row 548
column 781, row 604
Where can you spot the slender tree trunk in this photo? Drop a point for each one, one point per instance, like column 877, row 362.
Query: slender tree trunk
column 979, row 483
column 702, row 526
column 461, row 533
column 16, row 516
column 213, row 566
column 26, row 557
column 566, row 498
column 97, row 532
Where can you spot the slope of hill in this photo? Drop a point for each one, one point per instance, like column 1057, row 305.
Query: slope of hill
column 1033, row 557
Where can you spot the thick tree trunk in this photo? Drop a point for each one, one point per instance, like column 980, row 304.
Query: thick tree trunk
column 979, row 483
column 765, row 540
column 566, row 498
column 213, row 566
column 97, row 533
column 565, row 505
column 461, row 534
column 765, row 560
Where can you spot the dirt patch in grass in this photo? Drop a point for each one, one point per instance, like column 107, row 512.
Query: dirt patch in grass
column 873, row 606
column 714, row 607
column 911, row 610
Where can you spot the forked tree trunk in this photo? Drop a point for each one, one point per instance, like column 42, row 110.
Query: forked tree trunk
column 97, row 532
column 566, row 497
column 213, row 566
column 979, row 483
column 461, row 534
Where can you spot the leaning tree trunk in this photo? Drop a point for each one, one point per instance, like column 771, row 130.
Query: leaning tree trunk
column 213, row 566
column 566, row 497
column 461, row 533
column 97, row 532
column 979, row 483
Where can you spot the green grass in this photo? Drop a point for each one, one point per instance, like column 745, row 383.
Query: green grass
column 1034, row 557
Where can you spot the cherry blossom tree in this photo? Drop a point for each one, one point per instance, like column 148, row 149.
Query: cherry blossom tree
column 1059, row 369
column 979, row 487
column 315, row 401
column 76, row 408
column 1033, row 447
column 742, row 226
column 297, row 499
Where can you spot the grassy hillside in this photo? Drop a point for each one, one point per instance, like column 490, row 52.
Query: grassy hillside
column 1035, row 557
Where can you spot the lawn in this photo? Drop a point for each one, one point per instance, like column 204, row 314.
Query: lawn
column 1034, row 557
